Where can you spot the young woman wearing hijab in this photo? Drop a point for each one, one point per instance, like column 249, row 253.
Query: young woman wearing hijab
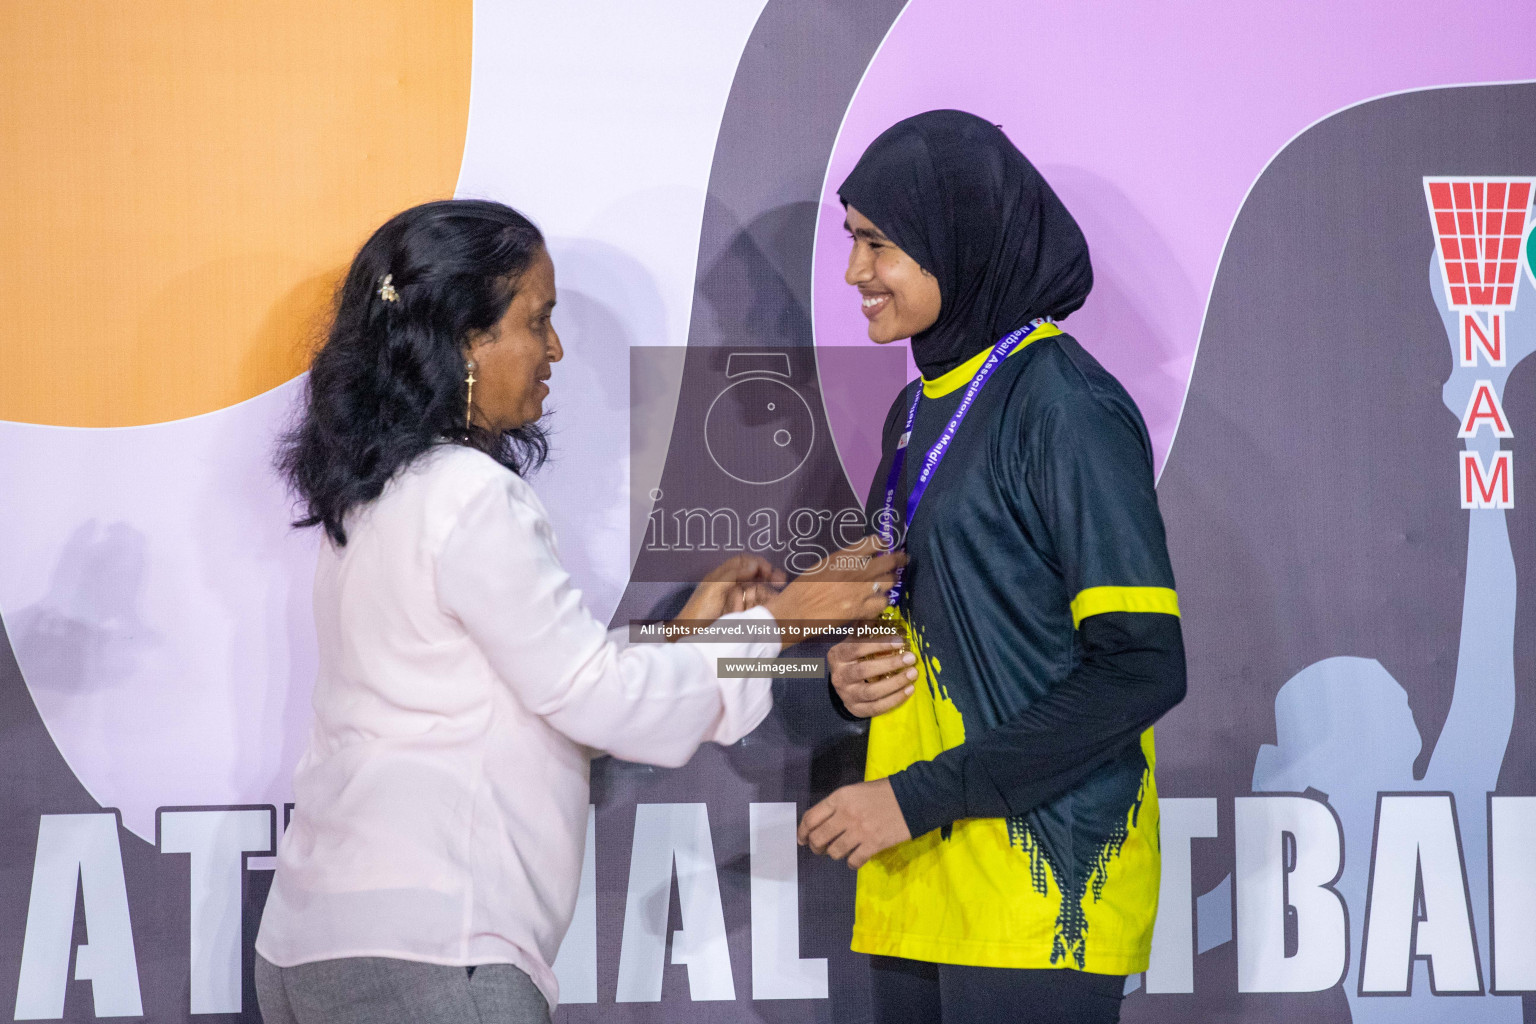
column 1007, row 839
column 430, row 868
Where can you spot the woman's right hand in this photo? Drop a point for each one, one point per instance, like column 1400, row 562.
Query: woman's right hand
column 849, row 585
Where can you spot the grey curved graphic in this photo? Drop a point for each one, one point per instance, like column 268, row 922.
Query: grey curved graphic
column 752, row 300
column 1344, row 724
column 1349, row 626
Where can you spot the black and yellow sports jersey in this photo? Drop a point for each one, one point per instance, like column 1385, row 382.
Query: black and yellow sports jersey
column 1039, row 598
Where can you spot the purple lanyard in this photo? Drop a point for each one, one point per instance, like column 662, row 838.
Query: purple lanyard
column 885, row 527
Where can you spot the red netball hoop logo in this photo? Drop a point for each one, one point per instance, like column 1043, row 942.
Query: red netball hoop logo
column 1479, row 225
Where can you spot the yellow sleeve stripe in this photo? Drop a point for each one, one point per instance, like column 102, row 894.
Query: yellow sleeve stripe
column 1098, row 600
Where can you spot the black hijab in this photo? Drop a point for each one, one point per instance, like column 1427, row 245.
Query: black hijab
column 960, row 199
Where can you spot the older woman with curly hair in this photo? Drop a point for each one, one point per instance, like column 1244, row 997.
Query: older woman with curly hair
column 430, row 868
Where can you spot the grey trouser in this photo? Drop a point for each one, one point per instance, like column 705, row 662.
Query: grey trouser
column 376, row 990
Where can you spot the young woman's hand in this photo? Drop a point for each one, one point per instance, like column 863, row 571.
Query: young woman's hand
column 735, row 585
column 846, row 586
column 855, row 823
column 872, row 676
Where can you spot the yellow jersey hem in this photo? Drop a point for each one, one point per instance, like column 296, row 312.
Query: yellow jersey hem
column 991, row 954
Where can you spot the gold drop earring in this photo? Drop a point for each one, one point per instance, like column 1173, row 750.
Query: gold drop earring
column 469, row 401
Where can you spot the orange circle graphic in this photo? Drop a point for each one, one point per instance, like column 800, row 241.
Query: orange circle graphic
column 186, row 181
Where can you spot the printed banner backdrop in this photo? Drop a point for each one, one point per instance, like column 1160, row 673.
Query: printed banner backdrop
column 1313, row 246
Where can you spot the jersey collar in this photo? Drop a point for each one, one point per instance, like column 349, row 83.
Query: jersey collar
column 961, row 375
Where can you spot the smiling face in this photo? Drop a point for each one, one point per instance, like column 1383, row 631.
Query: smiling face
column 512, row 360
column 900, row 298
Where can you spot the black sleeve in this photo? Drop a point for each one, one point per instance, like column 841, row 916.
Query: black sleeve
column 1086, row 471
column 1131, row 674
column 837, row 702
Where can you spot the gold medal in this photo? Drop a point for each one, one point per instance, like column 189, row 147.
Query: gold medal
column 890, row 615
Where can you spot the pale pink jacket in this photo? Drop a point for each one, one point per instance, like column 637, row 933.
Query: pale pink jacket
column 441, row 806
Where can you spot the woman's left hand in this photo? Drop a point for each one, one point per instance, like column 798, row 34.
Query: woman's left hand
column 735, row 585
column 855, row 823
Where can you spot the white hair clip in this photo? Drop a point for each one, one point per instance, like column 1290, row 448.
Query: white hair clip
column 387, row 289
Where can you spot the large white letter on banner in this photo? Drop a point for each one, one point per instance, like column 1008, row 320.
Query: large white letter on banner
column 1173, row 939
column 575, row 965
column 664, row 834
column 81, row 847
column 217, row 840
column 777, row 970
column 1417, row 903
column 1289, row 852
column 1512, row 837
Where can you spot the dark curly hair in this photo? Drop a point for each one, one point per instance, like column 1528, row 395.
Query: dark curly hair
column 388, row 384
